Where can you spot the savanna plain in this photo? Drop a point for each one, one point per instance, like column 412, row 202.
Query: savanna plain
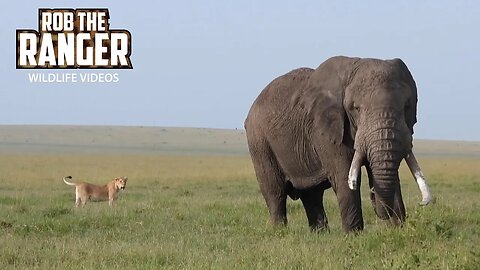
column 192, row 202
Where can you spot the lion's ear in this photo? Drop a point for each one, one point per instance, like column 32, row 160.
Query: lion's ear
column 125, row 178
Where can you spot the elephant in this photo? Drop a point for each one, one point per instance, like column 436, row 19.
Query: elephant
column 312, row 129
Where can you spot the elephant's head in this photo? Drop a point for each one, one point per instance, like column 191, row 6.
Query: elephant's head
column 371, row 105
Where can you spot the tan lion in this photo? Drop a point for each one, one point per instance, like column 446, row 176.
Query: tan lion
column 89, row 192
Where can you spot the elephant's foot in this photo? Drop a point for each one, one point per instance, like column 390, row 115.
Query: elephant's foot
column 353, row 230
column 320, row 227
column 317, row 220
column 279, row 221
column 277, row 206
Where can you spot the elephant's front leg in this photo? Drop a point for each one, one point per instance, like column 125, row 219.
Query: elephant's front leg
column 349, row 202
column 312, row 200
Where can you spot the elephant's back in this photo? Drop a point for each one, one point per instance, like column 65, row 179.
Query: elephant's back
column 284, row 87
column 273, row 102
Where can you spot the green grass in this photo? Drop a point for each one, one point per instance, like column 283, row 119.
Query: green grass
column 206, row 212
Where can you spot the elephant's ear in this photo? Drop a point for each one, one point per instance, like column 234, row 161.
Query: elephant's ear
column 411, row 108
column 323, row 98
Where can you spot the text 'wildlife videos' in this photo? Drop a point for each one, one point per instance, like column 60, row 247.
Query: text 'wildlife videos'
column 73, row 77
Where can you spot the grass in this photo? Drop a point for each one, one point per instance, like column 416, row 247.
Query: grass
column 192, row 202
column 206, row 212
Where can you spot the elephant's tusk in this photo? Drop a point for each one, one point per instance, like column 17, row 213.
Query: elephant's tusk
column 419, row 177
column 354, row 171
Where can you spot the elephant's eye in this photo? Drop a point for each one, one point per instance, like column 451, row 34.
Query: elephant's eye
column 356, row 107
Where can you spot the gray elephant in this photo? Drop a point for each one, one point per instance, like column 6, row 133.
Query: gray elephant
column 310, row 130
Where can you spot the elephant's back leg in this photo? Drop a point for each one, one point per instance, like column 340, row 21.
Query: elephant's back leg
column 312, row 200
column 270, row 179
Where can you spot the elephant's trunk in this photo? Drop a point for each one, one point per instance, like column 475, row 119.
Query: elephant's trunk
column 386, row 147
column 388, row 196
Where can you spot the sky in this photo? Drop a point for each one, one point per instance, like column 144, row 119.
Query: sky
column 203, row 63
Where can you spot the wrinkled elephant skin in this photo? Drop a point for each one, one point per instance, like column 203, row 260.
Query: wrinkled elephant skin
column 312, row 129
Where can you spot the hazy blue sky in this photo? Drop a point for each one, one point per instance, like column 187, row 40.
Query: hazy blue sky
column 202, row 63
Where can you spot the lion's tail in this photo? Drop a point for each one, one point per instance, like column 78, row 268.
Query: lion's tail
column 68, row 183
